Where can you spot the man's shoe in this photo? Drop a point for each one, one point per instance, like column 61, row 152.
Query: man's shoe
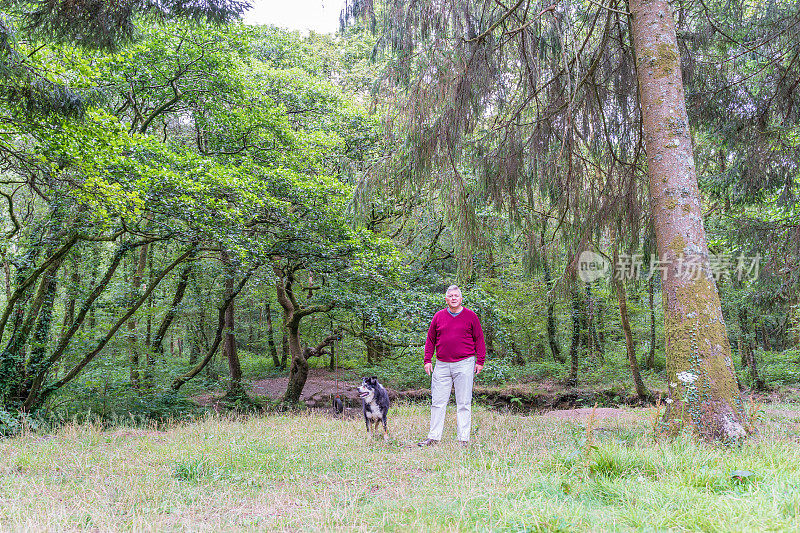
column 428, row 442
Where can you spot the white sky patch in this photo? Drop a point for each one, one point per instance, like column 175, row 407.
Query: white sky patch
column 321, row 16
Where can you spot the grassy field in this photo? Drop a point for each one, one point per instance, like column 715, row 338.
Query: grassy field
column 312, row 472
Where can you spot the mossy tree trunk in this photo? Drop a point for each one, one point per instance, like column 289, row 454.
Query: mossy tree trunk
column 622, row 298
column 284, row 347
column 294, row 313
column 298, row 372
column 696, row 342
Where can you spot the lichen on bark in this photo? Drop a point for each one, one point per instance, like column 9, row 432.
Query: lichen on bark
column 697, row 343
column 663, row 59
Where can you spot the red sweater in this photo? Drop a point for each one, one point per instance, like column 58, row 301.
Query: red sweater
column 455, row 338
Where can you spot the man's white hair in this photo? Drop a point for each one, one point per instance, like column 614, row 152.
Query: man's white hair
column 451, row 288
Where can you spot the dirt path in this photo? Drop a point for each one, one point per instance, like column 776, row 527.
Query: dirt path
column 320, row 388
column 547, row 398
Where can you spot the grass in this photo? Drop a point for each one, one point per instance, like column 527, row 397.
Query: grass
column 312, row 472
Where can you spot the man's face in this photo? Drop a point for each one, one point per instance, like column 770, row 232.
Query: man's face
column 453, row 299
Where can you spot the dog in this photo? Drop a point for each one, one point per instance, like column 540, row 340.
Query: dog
column 375, row 405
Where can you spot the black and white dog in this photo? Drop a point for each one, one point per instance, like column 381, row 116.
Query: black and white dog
column 375, row 403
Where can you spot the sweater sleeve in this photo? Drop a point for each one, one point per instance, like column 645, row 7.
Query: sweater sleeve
column 430, row 341
column 480, row 343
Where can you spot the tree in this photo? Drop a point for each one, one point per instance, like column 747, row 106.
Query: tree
column 697, row 348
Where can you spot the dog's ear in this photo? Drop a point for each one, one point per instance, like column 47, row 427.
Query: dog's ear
column 374, row 379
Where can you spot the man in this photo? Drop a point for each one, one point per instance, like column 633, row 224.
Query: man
column 456, row 336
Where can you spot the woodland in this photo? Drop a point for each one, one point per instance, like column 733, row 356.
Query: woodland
column 191, row 204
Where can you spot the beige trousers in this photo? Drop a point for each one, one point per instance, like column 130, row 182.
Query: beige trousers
column 446, row 376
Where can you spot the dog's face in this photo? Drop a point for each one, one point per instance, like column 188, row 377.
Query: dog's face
column 367, row 389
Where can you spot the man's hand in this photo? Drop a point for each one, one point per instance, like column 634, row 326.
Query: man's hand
column 428, row 368
column 478, row 368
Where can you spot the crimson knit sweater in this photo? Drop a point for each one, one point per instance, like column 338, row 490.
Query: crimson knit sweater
column 455, row 338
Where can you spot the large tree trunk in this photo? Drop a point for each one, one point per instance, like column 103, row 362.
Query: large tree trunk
column 696, row 342
column 298, row 372
column 294, row 313
column 284, row 348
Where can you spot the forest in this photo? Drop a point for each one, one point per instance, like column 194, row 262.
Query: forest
column 210, row 231
column 192, row 204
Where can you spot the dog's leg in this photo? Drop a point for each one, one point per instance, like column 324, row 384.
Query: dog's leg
column 385, row 429
column 369, row 424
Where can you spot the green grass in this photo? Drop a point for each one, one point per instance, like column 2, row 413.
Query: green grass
column 311, row 472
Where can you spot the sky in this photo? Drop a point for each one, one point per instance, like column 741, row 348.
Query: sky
column 321, row 16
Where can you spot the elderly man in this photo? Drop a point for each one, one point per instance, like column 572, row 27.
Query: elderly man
column 456, row 336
